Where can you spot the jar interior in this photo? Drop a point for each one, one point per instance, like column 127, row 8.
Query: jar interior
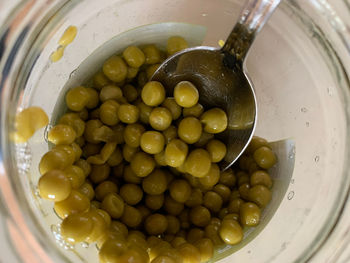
column 300, row 101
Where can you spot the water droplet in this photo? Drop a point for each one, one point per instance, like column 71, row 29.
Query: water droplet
column 290, row 195
column 67, row 246
column 245, row 13
column 84, row 244
column 330, row 91
column 307, row 124
column 292, row 181
column 291, row 154
column 317, row 159
column 46, row 132
column 54, row 229
column 36, row 192
column 23, row 158
column 303, row 109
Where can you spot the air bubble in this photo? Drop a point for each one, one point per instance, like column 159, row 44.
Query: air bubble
column 290, row 195
column 303, row 109
column 317, row 159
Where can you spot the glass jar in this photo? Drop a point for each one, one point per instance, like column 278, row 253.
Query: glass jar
column 299, row 65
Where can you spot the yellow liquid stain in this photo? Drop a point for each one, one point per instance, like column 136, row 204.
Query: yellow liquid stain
column 58, row 54
column 28, row 122
column 68, row 36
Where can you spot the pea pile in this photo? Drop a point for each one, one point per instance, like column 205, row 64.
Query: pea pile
column 137, row 172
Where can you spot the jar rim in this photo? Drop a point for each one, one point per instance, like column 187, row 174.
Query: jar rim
column 343, row 35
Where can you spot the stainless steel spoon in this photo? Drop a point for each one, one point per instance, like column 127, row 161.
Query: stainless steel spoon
column 221, row 77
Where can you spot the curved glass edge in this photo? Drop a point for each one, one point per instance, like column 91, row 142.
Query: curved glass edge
column 337, row 18
column 22, row 30
column 343, row 81
column 340, row 71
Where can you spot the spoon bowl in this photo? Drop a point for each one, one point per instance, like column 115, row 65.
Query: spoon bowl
column 221, row 78
column 218, row 86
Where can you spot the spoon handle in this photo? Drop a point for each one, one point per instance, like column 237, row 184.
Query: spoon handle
column 252, row 18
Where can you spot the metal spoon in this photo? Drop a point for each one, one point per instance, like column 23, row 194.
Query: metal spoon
column 221, row 77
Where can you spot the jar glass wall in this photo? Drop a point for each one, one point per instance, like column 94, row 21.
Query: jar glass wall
column 299, row 65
